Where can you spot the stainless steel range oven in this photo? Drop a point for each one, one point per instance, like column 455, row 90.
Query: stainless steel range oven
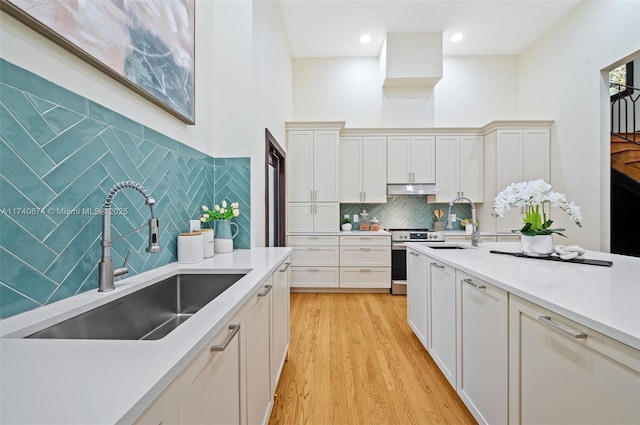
column 400, row 238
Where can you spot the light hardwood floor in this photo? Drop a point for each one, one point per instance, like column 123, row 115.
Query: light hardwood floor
column 354, row 360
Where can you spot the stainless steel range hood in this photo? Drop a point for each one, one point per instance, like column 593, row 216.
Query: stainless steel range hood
column 411, row 189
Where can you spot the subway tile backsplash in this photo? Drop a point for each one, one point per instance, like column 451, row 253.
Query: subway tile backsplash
column 60, row 154
column 403, row 212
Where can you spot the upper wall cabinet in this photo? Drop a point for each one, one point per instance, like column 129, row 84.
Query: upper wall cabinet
column 363, row 165
column 411, row 159
column 313, row 165
column 513, row 155
column 460, row 167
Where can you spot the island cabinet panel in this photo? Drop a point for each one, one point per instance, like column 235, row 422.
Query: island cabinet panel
column 561, row 372
column 259, row 395
column 164, row 409
column 483, row 348
column 418, row 295
column 279, row 321
column 442, row 308
column 210, row 387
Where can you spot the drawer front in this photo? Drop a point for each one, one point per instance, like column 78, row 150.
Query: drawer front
column 313, row 240
column 365, row 256
column 365, row 240
column 363, row 277
column 314, row 277
column 315, row 256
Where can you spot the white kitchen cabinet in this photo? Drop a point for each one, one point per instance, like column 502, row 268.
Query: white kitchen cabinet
column 315, row 261
column 442, row 309
column 482, row 338
column 418, row 295
column 411, row 159
column 365, row 261
column 279, row 321
column 363, row 165
column 164, row 409
column 460, row 167
column 259, row 395
column 210, row 388
column 520, row 155
column 561, row 372
column 313, row 174
column 313, row 216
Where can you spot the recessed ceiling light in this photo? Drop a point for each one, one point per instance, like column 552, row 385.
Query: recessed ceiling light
column 456, row 37
column 365, row 39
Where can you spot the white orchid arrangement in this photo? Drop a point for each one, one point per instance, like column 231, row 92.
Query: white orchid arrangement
column 224, row 211
column 533, row 195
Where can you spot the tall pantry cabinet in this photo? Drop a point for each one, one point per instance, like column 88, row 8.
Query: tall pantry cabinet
column 313, row 179
column 514, row 152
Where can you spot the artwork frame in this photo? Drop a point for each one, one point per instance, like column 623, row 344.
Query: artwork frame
column 147, row 46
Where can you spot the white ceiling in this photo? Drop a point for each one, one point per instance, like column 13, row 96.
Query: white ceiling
column 326, row 28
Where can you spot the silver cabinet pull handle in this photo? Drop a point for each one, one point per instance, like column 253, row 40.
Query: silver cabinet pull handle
column 475, row 285
column 267, row 288
column 413, row 253
column 440, row 266
column 313, row 249
column 286, row 266
column 313, row 269
column 365, row 249
column 365, row 270
column 234, row 330
column 565, row 330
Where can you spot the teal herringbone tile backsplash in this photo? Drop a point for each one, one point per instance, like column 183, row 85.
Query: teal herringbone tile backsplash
column 60, row 154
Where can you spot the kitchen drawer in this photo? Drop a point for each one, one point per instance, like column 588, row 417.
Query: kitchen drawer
column 365, row 240
column 467, row 238
column 508, row 238
column 314, row 277
column 313, row 240
column 365, row 277
column 375, row 256
column 315, row 256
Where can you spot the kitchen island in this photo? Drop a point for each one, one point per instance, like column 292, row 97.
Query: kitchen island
column 115, row 381
column 559, row 341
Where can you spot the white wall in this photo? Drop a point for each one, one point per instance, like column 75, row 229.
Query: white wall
column 561, row 77
column 473, row 91
column 243, row 84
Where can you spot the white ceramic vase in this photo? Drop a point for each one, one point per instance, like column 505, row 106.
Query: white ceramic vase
column 537, row 246
column 346, row 226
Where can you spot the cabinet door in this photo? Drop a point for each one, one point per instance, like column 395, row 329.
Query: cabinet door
column 561, row 372
column 442, row 303
column 374, row 169
column 535, row 151
column 258, row 355
column 471, row 167
column 447, row 168
column 423, row 159
column 483, row 349
column 326, row 217
column 280, row 321
column 417, row 295
column 509, row 170
column 351, row 169
column 315, row 277
column 326, row 166
column 398, row 151
column 365, row 277
column 300, row 166
column 164, row 409
column 300, row 217
column 209, row 388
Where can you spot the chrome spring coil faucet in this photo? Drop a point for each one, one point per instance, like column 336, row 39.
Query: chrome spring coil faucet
column 106, row 271
column 475, row 234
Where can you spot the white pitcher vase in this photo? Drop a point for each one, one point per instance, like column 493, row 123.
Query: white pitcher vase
column 223, row 240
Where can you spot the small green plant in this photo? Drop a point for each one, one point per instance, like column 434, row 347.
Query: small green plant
column 346, row 220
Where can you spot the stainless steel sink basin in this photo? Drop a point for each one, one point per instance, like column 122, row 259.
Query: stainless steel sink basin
column 150, row 313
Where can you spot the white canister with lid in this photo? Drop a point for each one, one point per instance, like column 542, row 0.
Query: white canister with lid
column 207, row 242
column 190, row 248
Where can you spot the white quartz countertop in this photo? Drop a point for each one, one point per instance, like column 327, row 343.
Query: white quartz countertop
column 49, row 381
column 605, row 299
